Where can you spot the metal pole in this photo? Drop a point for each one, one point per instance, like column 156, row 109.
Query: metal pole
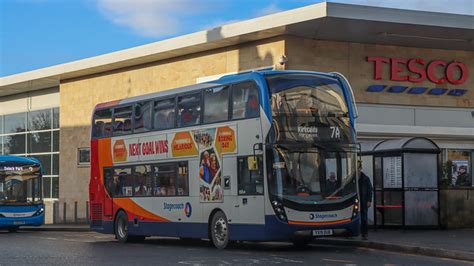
column 75, row 212
column 55, row 212
column 87, row 212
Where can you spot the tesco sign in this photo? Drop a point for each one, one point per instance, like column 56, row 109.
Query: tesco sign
column 417, row 70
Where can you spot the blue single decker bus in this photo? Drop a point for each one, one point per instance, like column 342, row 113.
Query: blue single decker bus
column 21, row 200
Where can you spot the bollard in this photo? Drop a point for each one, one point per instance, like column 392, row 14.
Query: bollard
column 55, row 212
column 64, row 213
column 75, row 212
column 87, row 212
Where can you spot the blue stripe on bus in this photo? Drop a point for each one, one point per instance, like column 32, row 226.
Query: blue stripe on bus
column 6, row 222
column 348, row 98
column 12, row 158
column 16, row 208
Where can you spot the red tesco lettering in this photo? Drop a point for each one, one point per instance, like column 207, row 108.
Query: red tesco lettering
column 417, row 70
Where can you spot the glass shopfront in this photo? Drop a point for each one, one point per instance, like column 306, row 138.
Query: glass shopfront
column 34, row 134
column 457, row 167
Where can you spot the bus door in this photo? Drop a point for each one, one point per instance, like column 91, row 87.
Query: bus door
column 250, row 192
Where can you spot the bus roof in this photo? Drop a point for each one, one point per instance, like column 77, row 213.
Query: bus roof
column 231, row 78
column 10, row 158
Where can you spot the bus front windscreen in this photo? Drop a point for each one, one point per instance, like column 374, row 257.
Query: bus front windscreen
column 312, row 176
column 311, row 144
column 19, row 183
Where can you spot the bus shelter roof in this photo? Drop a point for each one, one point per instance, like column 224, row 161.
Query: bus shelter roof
column 415, row 144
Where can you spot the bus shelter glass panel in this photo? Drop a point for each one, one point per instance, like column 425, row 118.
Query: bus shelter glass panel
column 392, row 208
column 420, row 170
column 421, row 208
column 392, row 172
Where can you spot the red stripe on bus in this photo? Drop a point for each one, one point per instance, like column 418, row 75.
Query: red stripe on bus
column 108, row 104
column 389, row 206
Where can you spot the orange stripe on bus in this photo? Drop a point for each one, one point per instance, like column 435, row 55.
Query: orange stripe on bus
column 105, row 151
column 320, row 223
column 105, row 156
column 131, row 207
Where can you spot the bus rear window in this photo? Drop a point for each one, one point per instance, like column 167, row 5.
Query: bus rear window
column 102, row 126
column 122, row 120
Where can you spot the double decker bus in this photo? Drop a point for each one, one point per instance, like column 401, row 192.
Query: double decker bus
column 21, row 200
column 258, row 156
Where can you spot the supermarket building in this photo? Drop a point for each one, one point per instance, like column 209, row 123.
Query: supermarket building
column 411, row 71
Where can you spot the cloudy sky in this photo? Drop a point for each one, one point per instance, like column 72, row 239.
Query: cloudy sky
column 40, row 33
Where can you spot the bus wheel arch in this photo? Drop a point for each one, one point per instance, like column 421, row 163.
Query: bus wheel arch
column 209, row 220
column 218, row 227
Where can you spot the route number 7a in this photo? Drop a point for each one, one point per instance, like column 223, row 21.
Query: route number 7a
column 335, row 132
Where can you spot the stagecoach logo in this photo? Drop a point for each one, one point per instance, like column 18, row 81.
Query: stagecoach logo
column 188, row 210
column 179, row 206
column 322, row 216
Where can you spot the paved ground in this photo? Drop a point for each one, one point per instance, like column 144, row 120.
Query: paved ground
column 87, row 248
column 460, row 240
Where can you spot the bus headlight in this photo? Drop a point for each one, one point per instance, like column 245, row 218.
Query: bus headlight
column 39, row 211
column 355, row 210
column 279, row 210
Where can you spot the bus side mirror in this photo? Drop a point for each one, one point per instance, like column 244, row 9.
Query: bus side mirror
column 257, row 147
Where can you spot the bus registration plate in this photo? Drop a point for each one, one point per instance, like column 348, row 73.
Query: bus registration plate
column 324, row 232
column 19, row 222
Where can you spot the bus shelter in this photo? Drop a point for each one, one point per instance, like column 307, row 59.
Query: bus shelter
column 405, row 179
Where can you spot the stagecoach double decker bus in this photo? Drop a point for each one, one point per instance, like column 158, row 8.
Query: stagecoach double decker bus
column 257, row 156
column 21, row 200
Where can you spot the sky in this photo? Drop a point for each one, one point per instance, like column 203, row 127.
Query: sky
column 40, row 33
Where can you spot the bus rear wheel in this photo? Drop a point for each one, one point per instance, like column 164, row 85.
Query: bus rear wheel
column 219, row 230
column 121, row 227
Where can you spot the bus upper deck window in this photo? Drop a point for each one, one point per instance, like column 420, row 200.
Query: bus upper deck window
column 245, row 102
column 142, row 117
column 216, row 104
column 164, row 117
column 102, row 125
column 189, row 107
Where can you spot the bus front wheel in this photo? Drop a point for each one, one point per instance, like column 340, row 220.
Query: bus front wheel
column 13, row 229
column 219, row 230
